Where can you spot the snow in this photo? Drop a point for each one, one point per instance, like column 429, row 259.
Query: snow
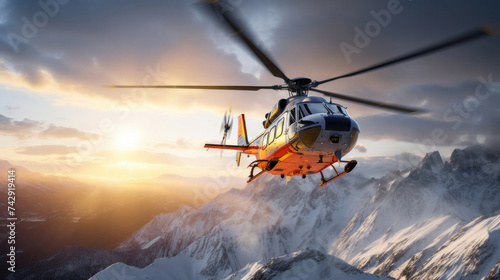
column 479, row 237
column 151, row 242
column 439, row 220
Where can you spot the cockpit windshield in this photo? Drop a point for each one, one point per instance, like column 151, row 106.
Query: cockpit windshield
column 306, row 109
column 336, row 109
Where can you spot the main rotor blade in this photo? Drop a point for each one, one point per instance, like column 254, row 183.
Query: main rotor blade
column 247, row 88
column 237, row 28
column 399, row 108
column 455, row 41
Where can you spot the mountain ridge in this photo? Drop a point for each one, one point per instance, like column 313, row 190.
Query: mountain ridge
column 401, row 226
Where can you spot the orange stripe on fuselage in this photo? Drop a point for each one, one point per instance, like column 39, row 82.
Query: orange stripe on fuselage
column 290, row 161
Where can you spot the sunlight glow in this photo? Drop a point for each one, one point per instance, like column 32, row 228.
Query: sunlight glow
column 127, row 139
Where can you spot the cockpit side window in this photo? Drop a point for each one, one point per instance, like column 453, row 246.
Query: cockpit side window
column 264, row 141
column 272, row 134
column 292, row 117
column 301, row 112
column 279, row 128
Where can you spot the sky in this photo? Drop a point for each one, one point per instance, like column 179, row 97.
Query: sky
column 55, row 55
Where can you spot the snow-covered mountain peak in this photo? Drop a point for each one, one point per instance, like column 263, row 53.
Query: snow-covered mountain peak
column 406, row 224
column 478, row 159
column 428, row 169
column 431, row 161
column 303, row 264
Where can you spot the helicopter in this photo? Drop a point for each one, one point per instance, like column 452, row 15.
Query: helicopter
column 303, row 135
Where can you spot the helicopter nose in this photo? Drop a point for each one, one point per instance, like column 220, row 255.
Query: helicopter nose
column 337, row 123
column 309, row 135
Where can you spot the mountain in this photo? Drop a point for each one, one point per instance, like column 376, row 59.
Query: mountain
column 436, row 221
column 54, row 212
column 241, row 226
column 439, row 220
column 415, row 216
column 304, row 264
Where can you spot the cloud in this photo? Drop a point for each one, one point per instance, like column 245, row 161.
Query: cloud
column 12, row 108
column 178, row 50
column 378, row 166
column 361, row 148
column 461, row 115
column 35, row 129
column 143, row 163
column 64, row 132
column 19, row 129
column 137, row 156
column 88, row 43
column 44, row 150
column 181, row 143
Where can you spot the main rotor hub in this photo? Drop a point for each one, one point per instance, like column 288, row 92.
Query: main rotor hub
column 299, row 86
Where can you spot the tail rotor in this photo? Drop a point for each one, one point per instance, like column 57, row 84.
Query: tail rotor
column 226, row 127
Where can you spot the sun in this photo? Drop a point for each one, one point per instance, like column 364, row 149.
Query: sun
column 127, row 139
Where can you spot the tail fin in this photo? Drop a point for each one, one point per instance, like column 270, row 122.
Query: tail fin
column 242, row 131
column 242, row 136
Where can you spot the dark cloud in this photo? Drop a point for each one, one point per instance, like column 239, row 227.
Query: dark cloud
column 30, row 129
column 19, row 129
column 461, row 114
column 89, row 43
column 458, row 117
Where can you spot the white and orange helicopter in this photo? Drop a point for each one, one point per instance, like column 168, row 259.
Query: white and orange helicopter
column 303, row 135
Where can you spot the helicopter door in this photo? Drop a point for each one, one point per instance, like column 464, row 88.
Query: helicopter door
column 291, row 131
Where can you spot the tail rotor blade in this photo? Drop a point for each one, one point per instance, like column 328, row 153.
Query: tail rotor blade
column 230, row 128
column 226, row 127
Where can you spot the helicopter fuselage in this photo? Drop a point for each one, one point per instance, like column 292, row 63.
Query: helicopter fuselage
column 308, row 136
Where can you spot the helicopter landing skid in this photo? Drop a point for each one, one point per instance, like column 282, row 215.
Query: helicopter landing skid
column 324, row 181
column 253, row 177
column 253, row 165
column 348, row 168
